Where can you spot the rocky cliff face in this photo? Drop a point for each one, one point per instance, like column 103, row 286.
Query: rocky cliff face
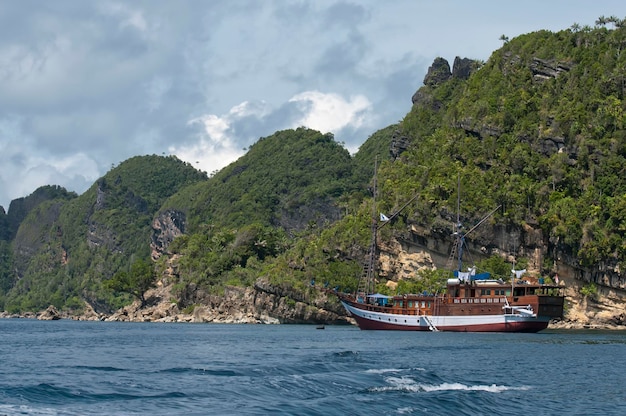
column 165, row 228
column 4, row 225
column 263, row 304
column 438, row 73
column 402, row 257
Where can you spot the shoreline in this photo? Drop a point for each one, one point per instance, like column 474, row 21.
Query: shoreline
column 43, row 316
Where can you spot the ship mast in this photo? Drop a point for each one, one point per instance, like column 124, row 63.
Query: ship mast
column 459, row 237
column 457, row 245
column 366, row 282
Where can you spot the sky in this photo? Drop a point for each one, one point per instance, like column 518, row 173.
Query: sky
column 86, row 85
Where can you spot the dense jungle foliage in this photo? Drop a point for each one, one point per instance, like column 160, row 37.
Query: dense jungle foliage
column 538, row 129
column 64, row 249
column 288, row 180
column 285, row 188
column 548, row 149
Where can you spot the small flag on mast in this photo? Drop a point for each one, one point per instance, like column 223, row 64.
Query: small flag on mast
column 518, row 273
column 383, row 217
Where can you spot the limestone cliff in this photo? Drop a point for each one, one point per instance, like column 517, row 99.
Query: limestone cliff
column 403, row 257
column 165, row 228
column 261, row 304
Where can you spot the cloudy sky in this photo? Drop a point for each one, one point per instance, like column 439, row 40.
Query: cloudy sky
column 85, row 85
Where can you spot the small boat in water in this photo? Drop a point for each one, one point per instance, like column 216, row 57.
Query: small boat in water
column 471, row 302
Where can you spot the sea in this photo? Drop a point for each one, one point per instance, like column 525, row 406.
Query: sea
column 70, row 367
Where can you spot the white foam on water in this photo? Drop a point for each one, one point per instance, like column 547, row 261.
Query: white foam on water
column 19, row 410
column 383, row 370
column 409, row 385
column 392, row 370
column 493, row 388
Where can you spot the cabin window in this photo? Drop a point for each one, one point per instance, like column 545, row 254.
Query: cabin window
column 423, row 304
column 410, row 304
column 429, row 304
column 508, row 292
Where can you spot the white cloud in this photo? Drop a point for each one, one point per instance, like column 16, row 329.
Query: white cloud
column 128, row 17
column 214, row 148
column 28, row 166
column 43, row 171
column 223, row 137
column 215, row 127
column 331, row 112
column 112, row 79
column 208, row 156
column 72, row 172
column 218, row 145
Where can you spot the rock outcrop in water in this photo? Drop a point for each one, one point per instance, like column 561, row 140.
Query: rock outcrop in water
column 50, row 314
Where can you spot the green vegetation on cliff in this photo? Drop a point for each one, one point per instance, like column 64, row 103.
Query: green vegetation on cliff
column 289, row 179
column 64, row 249
column 286, row 187
column 538, row 129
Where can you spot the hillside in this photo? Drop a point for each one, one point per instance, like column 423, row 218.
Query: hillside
column 230, row 228
column 538, row 130
column 63, row 249
column 288, row 180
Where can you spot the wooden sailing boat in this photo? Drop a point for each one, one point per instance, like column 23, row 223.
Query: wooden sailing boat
column 470, row 303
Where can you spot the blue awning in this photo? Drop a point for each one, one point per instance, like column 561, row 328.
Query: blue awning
column 379, row 296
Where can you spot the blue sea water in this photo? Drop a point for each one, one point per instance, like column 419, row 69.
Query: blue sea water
column 104, row 368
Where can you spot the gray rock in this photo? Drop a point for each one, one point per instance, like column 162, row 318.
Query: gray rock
column 50, row 314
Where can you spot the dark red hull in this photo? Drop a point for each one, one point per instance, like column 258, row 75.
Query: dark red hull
column 531, row 327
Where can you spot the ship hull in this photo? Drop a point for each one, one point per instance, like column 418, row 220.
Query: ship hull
column 372, row 320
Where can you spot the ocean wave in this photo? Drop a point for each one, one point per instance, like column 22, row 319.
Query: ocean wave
column 345, row 354
column 97, row 368
column 21, row 410
column 200, row 371
column 407, row 384
column 392, row 370
column 493, row 388
column 383, row 370
column 52, row 395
